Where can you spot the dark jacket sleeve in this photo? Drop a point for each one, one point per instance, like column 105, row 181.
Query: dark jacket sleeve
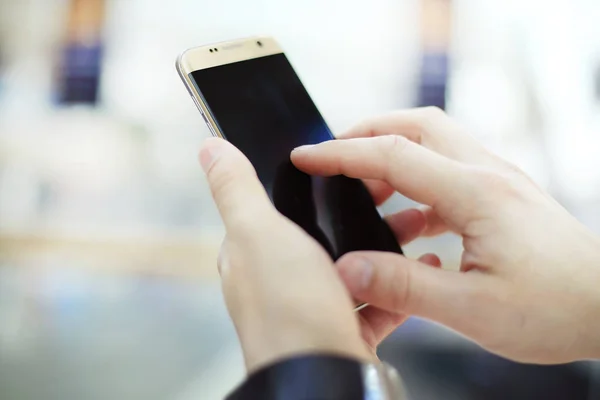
column 315, row 377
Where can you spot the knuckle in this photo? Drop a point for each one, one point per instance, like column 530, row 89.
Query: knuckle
column 400, row 288
column 399, row 143
column 496, row 184
column 220, row 177
column 237, row 199
column 390, row 149
column 492, row 181
column 392, row 146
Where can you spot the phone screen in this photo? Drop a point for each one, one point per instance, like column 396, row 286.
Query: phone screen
column 261, row 106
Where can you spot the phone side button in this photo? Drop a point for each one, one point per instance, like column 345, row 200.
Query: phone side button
column 198, row 106
column 210, row 128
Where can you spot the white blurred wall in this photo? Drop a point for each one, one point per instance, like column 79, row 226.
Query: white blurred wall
column 115, row 166
column 521, row 82
column 524, row 83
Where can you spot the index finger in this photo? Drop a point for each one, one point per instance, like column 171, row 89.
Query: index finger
column 414, row 171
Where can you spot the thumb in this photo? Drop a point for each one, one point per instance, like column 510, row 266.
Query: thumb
column 240, row 197
column 395, row 283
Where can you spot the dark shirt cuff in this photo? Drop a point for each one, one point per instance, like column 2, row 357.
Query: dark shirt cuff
column 311, row 377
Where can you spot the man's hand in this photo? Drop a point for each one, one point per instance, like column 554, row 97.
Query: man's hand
column 281, row 288
column 530, row 273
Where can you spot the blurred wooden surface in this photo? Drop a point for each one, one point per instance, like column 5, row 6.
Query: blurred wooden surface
column 164, row 253
column 193, row 256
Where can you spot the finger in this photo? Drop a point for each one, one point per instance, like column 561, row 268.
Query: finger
column 411, row 169
column 435, row 224
column 431, row 260
column 411, row 224
column 407, row 225
column 429, row 127
column 377, row 324
column 394, row 283
column 380, row 191
column 238, row 193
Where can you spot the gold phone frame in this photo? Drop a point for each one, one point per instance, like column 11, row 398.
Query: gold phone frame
column 214, row 55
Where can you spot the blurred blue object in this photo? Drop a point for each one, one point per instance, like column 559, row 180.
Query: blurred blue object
column 433, row 81
column 79, row 79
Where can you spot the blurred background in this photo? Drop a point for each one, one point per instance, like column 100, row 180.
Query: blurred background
column 108, row 235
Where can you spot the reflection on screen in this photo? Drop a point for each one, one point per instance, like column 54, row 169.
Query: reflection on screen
column 262, row 108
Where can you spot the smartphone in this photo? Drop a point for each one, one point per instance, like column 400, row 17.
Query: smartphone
column 249, row 94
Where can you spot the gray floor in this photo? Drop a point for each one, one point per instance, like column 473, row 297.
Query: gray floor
column 80, row 335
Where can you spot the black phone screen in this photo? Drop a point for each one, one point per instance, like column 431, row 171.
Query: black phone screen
column 262, row 108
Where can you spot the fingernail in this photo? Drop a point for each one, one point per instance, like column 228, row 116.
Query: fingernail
column 209, row 152
column 303, row 148
column 357, row 273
